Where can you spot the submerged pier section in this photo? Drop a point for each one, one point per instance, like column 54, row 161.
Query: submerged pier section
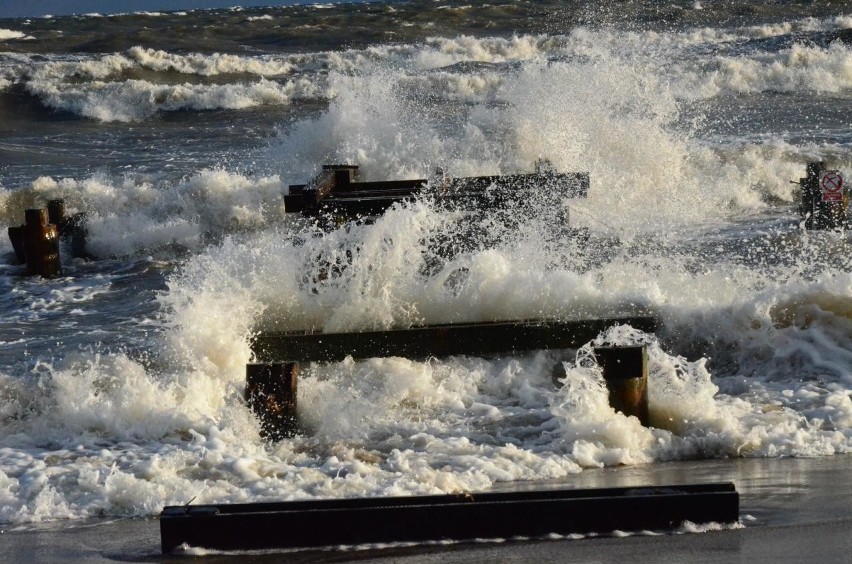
column 272, row 382
column 272, row 386
column 336, row 196
column 337, row 192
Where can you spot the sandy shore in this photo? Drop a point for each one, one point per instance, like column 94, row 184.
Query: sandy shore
column 792, row 510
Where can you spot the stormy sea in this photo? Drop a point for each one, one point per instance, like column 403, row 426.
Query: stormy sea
column 178, row 134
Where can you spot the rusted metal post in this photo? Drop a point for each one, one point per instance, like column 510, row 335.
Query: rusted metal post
column 41, row 245
column 271, row 396
column 625, row 370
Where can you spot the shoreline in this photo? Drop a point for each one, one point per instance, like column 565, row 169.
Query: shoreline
column 791, row 510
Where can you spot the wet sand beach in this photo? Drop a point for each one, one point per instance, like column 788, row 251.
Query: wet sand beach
column 791, row 510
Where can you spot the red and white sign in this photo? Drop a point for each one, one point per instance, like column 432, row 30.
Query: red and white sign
column 831, row 184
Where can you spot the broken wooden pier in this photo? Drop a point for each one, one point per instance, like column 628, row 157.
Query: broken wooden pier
column 271, row 387
column 337, row 192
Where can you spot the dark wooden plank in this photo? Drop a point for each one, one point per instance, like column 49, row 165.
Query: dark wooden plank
column 474, row 339
column 574, row 184
column 373, row 198
column 409, row 186
column 451, row 517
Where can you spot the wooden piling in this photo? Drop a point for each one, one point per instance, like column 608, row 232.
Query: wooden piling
column 271, row 396
column 56, row 216
column 41, row 245
column 625, row 371
column 16, row 236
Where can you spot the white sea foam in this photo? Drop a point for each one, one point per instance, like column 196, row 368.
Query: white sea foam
column 7, row 34
column 753, row 359
column 800, row 68
column 441, row 52
column 127, row 216
column 209, row 65
column 138, row 99
column 395, row 426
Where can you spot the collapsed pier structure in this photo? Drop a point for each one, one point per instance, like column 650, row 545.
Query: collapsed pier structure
column 335, row 197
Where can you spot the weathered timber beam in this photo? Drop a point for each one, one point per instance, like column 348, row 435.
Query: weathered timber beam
column 345, row 193
column 572, row 184
column 473, row 339
column 303, row 524
column 332, row 178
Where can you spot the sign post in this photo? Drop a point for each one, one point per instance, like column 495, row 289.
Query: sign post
column 824, row 202
column 831, row 184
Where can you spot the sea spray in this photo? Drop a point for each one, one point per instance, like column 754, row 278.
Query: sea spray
column 122, row 383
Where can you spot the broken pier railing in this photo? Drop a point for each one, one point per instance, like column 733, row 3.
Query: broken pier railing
column 337, row 192
column 272, row 381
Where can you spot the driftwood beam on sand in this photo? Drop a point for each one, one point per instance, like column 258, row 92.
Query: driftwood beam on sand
column 474, row 339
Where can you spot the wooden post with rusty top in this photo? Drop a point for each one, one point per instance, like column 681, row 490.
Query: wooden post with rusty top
column 41, row 245
column 625, row 370
column 271, row 395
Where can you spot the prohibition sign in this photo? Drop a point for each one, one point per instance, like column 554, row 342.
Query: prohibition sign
column 832, row 186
